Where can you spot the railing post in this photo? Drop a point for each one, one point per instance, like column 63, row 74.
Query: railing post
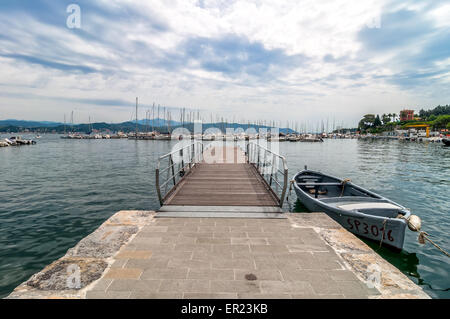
column 273, row 168
column 202, row 148
column 171, row 164
column 158, row 189
column 190, row 157
column 257, row 166
column 247, row 149
column 285, row 185
column 182, row 159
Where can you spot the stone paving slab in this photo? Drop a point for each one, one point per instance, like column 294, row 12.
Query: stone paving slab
column 303, row 256
column 264, row 260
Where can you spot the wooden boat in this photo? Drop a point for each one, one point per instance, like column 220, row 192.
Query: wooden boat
column 360, row 211
column 446, row 141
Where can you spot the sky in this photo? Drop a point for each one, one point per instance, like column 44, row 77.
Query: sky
column 274, row 60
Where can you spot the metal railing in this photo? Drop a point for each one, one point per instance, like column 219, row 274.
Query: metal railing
column 180, row 162
column 269, row 165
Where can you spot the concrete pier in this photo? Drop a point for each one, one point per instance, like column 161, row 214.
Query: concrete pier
column 135, row 255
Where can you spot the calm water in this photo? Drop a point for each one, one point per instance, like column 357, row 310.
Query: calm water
column 56, row 192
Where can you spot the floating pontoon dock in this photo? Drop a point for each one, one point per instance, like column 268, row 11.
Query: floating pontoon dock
column 222, row 181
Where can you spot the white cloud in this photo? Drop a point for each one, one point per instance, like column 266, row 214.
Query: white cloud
column 141, row 48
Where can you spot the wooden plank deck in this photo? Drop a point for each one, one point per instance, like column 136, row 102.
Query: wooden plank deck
column 223, row 179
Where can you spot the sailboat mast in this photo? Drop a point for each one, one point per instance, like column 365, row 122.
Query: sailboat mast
column 136, row 117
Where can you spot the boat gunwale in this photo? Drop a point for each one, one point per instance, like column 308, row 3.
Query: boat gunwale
column 353, row 213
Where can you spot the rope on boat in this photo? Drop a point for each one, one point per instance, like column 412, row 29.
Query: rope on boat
column 424, row 236
column 344, row 182
column 415, row 225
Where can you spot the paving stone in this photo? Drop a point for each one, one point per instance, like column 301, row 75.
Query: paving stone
column 178, row 240
column 134, row 285
column 231, row 248
column 233, row 264
column 136, row 254
column 153, row 262
column 320, row 247
column 172, row 254
column 143, row 244
column 101, row 285
column 148, row 240
column 262, row 235
column 211, row 274
column 264, row 274
column 353, row 288
column 108, row 295
column 275, row 228
column 230, row 235
column 222, row 241
column 189, row 263
column 178, row 229
column 123, row 273
column 247, row 229
column 285, row 241
column 170, row 273
column 268, row 248
column 193, row 247
column 325, row 287
column 213, row 229
column 276, row 264
column 305, row 275
column 249, row 241
column 235, row 286
column 190, row 285
column 165, row 222
column 119, row 263
column 209, row 256
column 276, row 286
column 158, row 229
column 151, row 234
column 155, row 295
column 197, row 235
column 342, row 275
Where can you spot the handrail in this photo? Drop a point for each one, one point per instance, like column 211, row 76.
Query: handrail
column 262, row 163
column 189, row 159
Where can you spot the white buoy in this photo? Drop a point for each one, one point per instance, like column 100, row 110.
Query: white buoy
column 414, row 223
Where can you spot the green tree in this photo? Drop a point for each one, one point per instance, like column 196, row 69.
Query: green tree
column 441, row 122
column 377, row 121
column 386, row 118
column 366, row 122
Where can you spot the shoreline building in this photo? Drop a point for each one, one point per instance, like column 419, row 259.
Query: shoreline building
column 406, row 115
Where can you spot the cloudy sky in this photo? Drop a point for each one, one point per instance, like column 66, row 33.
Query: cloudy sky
column 296, row 60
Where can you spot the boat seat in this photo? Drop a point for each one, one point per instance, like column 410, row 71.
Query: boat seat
column 310, row 178
column 368, row 205
column 319, row 184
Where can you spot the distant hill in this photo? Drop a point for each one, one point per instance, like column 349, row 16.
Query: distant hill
column 28, row 124
column 143, row 126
